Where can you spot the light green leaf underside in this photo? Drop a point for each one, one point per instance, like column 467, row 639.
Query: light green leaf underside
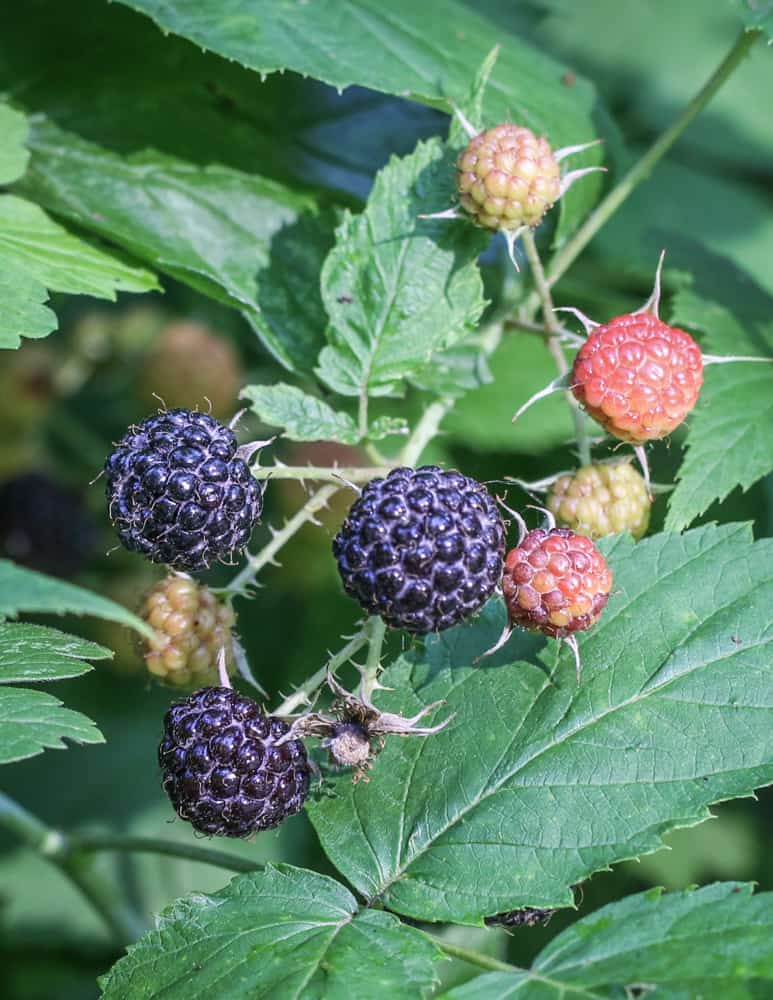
column 38, row 254
column 31, row 721
column 13, row 154
column 429, row 52
column 729, row 441
column 210, row 227
column 303, row 417
column 34, row 653
column 23, row 590
column 536, row 784
column 711, row 942
column 398, row 288
column 282, row 932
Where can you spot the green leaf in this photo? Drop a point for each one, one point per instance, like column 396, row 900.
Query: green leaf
column 281, row 932
column 302, row 417
column 398, row 288
column 756, row 14
column 537, row 783
column 210, row 227
column 711, row 942
column 34, row 653
column 45, row 255
column 455, row 371
column 23, row 590
column 13, row 154
column 728, row 441
column 383, row 427
column 31, row 721
column 483, row 419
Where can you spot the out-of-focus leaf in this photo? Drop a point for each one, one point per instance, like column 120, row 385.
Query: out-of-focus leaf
column 13, row 153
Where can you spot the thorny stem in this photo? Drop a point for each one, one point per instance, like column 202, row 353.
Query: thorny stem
column 318, row 473
column 309, row 686
column 473, row 957
column 376, row 632
column 74, row 862
column 643, row 167
column 553, row 333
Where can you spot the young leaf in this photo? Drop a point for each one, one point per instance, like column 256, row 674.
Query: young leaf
column 25, row 590
column 398, row 288
column 36, row 253
column 302, row 417
column 728, row 442
column 538, row 781
column 210, row 227
column 711, row 942
column 34, row 653
column 31, row 721
column 430, row 52
column 13, row 153
column 282, row 932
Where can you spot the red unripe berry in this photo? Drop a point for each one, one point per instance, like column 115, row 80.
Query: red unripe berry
column 555, row 582
column 638, row 377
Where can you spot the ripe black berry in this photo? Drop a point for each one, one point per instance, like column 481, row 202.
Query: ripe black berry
column 178, row 493
column 222, row 768
column 422, row 548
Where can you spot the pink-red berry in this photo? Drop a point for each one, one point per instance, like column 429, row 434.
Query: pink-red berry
column 507, row 178
column 555, row 582
column 638, row 377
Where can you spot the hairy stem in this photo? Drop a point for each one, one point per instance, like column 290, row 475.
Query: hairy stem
column 553, row 340
column 155, row 845
column 318, row 473
column 124, row 924
column 473, row 957
column 309, row 686
column 643, row 167
column 376, row 632
column 255, row 562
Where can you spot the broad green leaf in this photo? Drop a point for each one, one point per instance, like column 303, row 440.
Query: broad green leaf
column 213, row 228
column 729, row 436
column 34, row 653
column 538, row 782
column 36, row 253
column 455, row 371
column 23, row 590
column 428, row 52
column 711, row 942
column 756, row 14
column 13, row 153
column 302, row 417
column 31, row 721
column 483, row 419
column 282, row 932
column 398, row 288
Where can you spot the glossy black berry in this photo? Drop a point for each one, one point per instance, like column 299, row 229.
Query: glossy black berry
column 225, row 768
column 422, row 548
column 178, row 493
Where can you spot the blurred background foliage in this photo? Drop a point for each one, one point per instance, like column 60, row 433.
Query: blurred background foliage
column 64, row 400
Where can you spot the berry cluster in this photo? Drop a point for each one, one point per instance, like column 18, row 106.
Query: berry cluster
column 227, row 767
column 422, row 548
column 178, row 493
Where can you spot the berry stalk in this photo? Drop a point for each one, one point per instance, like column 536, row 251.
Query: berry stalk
column 553, row 341
column 303, row 693
column 644, row 166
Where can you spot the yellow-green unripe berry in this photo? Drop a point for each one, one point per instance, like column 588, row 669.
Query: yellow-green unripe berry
column 191, row 628
column 507, row 178
column 601, row 499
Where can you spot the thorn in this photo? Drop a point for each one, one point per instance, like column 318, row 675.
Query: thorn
column 523, row 529
column 574, row 175
column 561, row 154
column 346, row 482
column 652, row 305
column 571, row 642
column 155, row 395
column 236, row 417
column 243, row 666
column 723, row 359
column 641, row 455
column 97, row 477
column 468, row 127
column 511, row 235
column 501, row 641
column 449, row 213
column 246, row 451
column 589, row 324
column 539, row 486
column 557, row 385
column 549, row 518
column 222, row 670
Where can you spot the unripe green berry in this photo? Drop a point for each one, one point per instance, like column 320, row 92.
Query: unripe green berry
column 601, row 499
column 507, row 178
